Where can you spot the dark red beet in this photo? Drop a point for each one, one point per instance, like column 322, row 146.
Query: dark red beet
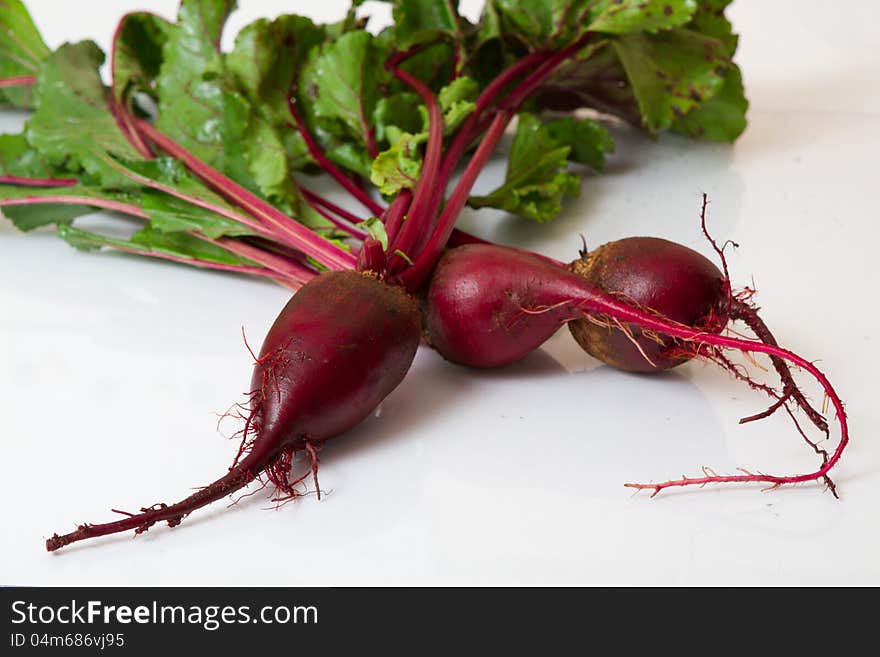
column 477, row 309
column 659, row 276
column 489, row 305
column 338, row 348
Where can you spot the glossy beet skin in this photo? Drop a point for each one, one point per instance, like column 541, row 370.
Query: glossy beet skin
column 487, row 305
column 338, row 348
column 656, row 275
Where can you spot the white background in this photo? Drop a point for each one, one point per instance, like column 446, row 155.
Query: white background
column 113, row 370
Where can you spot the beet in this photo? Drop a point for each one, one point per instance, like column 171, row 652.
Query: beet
column 657, row 275
column 337, row 349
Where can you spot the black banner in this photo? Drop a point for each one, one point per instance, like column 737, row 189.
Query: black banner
column 414, row 621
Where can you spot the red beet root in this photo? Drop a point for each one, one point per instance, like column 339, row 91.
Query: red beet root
column 656, row 274
column 488, row 305
column 337, row 349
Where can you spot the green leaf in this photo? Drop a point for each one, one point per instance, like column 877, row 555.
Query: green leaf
column 671, row 72
column 589, row 141
column 430, row 22
column 722, row 117
column 376, row 229
column 457, row 102
column 421, row 21
column 73, row 128
column 399, row 167
column 539, row 24
column 172, row 214
column 710, row 20
column 341, row 85
column 536, row 179
column 396, row 114
column 30, row 217
column 18, row 158
column 267, row 58
column 199, row 106
column 137, row 56
column 265, row 62
column 348, row 156
column 627, row 16
column 149, row 241
column 22, row 51
column 231, row 111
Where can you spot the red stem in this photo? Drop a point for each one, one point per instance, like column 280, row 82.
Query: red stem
column 396, row 213
column 351, row 217
column 321, row 209
column 422, row 210
column 292, row 271
column 424, row 262
column 584, row 300
column 20, row 81
column 328, row 166
column 302, row 238
column 38, row 182
column 124, row 118
column 107, row 204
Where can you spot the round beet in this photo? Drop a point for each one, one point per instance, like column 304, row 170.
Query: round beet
column 662, row 278
column 478, row 307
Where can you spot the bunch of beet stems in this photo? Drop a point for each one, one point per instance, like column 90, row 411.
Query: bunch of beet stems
column 420, row 224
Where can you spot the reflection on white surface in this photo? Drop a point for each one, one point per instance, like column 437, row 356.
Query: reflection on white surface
column 114, row 369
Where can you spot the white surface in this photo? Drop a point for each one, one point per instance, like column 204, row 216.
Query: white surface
column 113, row 369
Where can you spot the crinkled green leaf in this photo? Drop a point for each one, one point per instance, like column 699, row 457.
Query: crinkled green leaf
column 671, row 72
column 589, row 141
column 457, row 102
column 341, row 85
column 18, row 158
column 428, row 21
column 73, row 128
column 722, row 117
column 348, row 155
column 710, row 20
column 267, row 58
column 399, row 167
column 199, row 106
column 626, row 16
column 150, row 241
column 537, row 179
column 376, row 229
column 265, row 63
column 22, row 51
column 245, row 134
column 137, row 55
column 396, row 114
column 421, row 21
column 539, row 24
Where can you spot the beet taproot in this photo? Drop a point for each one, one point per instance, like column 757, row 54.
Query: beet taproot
column 337, row 349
